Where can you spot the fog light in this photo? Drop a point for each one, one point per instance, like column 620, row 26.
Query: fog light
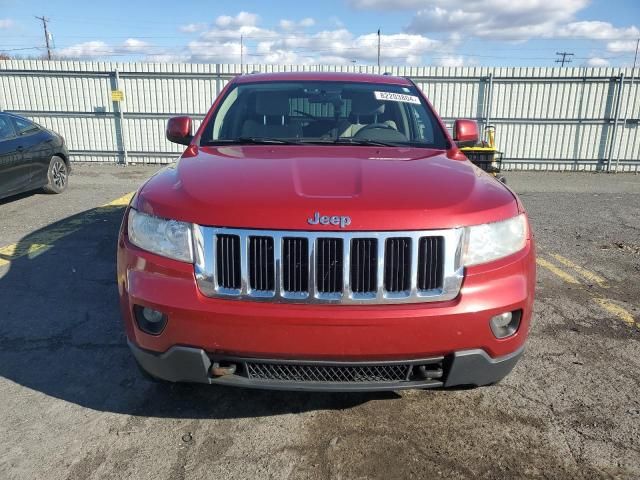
column 151, row 315
column 505, row 324
column 149, row 320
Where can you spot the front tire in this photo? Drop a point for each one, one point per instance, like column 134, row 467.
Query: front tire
column 57, row 175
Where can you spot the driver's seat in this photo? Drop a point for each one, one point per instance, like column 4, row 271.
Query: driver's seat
column 365, row 110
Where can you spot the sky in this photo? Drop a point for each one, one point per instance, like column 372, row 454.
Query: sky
column 412, row 32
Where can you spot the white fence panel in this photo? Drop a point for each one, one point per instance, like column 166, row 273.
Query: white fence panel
column 546, row 118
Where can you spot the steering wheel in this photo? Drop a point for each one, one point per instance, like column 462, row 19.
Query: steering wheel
column 371, row 126
column 305, row 114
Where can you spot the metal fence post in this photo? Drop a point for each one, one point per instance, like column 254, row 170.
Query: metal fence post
column 218, row 79
column 626, row 117
column 577, row 141
column 489, row 104
column 615, row 122
column 118, row 117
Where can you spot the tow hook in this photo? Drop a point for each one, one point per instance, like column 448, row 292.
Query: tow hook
column 220, row 371
column 430, row 372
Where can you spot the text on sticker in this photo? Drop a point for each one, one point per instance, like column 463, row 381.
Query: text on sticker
column 397, row 97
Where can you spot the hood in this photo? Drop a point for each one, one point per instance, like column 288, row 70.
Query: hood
column 280, row 187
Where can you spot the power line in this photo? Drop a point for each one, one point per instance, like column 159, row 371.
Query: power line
column 19, row 49
column 565, row 58
column 46, row 35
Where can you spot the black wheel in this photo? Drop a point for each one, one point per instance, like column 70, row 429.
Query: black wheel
column 58, row 176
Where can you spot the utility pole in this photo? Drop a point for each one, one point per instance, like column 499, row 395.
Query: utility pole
column 565, row 58
column 378, row 50
column 241, row 55
column 46, row 35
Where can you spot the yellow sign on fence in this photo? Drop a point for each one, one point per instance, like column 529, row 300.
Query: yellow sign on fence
column 117, row 95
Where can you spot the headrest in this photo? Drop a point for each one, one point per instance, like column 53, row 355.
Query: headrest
column 364, row 103
column 272, row 104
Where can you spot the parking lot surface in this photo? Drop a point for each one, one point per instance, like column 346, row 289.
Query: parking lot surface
column 74, row 406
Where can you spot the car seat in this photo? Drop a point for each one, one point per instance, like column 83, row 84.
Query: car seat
column 271, row 118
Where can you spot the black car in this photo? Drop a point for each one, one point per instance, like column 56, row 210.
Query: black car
column 31, row 157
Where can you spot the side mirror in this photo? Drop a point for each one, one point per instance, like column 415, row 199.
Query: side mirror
column 465, row 133
column 179, row 130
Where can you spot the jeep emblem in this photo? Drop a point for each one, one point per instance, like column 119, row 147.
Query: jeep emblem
column 343, row 221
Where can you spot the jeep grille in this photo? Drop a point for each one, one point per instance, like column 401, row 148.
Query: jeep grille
column 329, row 267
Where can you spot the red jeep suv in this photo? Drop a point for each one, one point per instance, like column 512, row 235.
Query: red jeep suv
column 322, row 231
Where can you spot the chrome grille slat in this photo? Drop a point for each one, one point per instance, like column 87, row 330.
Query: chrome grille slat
column 261, row 264
column 228, row 261
column 328, row 266
column 363, row 268
column 397, row 265
column 295, row 265
column 430, row 253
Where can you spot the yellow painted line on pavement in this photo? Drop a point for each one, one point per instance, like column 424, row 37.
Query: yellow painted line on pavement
column 43, row 240
column 557, row 271
column 123, row 201
column 589, row 275
column 617, row 310
column 605, row 303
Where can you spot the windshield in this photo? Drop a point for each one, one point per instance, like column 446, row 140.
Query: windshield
column 324, row 113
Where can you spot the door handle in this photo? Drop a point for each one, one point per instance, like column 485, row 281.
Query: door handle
column 20, row 148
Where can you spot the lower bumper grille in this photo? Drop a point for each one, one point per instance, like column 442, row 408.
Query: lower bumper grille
column 310, row 373
column 430, row 369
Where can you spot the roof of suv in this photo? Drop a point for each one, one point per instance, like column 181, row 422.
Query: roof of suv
column 322, row 76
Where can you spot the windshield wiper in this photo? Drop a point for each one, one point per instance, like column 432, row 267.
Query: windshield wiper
column 349, row 141
column 363, row 141
column 254, row 141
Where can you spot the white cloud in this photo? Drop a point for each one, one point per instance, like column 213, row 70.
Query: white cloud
column 213, row 52
column 336, row 22
column 307, row 22
column 95, row 48
column 243, row 19
column 622, row 46
column 292, row 24
column 192, row 27
column 386, row 4
column 135, row 46
column 166, row 58
column 341, row 46
column 596, row 30
column 289, row 44
column 450, row 61
column 501, row 19
column 513, row 20
column 597, row 62
column 6, row 23
column 99, row 48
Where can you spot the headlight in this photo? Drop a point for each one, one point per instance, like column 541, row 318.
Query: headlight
column 492, row 241
column 169, row 238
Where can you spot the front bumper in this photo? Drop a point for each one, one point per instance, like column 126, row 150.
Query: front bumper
column 201, row 330
column 188, row 364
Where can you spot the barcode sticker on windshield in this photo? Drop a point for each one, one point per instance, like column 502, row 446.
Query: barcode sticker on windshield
column 396, row 97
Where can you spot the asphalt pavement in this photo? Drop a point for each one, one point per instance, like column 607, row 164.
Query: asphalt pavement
column 74, row 406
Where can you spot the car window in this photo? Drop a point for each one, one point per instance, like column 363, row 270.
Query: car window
column 322, row 111
column 6, row 129
column 24, row 127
